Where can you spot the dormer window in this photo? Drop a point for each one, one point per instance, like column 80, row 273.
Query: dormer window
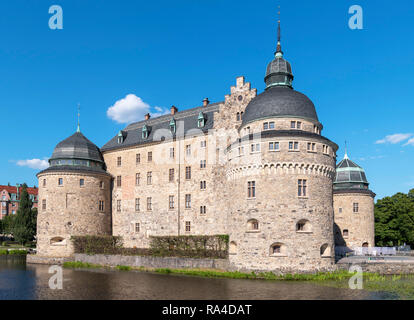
column 121, row 136
column 144, row 132
column 172, row 126
column 200, row 120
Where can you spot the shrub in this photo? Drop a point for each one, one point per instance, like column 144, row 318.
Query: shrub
column 3, row 252
column 123, row 268
column 97, row 244
column 17, row 252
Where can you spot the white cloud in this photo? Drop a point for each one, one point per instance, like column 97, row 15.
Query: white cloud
column 410, row 142
column 39, row 164
column 395, row 138
column 131, row 109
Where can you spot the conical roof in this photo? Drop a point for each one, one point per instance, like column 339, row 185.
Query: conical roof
column 349, row 175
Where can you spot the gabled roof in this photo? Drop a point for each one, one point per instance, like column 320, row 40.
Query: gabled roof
column 13, row 189
column 159, row 127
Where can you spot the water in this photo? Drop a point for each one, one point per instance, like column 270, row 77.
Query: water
column 18, row 281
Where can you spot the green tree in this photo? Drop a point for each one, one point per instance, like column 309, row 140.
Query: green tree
column 394, row 220
column 7, row 224
column 24, row 226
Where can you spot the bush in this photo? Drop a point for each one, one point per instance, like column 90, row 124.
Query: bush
column 17, row 252
column 4, row 244
column 123, row 268
column 191, row 246
column 97, row 244
column 3, row 252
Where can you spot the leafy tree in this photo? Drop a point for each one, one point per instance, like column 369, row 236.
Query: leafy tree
column 394, row 220
column 7, row 224
column 24, row 227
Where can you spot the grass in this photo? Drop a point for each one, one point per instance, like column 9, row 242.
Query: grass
column 4, row 252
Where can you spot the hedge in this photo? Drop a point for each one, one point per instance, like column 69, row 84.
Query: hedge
column 169, row 246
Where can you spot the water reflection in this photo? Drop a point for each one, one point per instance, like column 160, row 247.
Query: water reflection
column 18, row 281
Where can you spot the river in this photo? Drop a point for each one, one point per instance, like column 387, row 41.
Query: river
column 21, row 281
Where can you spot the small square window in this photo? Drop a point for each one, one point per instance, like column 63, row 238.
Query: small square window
column 60, row 181
column 82, row 182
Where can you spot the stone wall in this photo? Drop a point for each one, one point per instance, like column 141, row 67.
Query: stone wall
column 71, row 209
column 385, row 268
column 154, row 262
column 360, row 225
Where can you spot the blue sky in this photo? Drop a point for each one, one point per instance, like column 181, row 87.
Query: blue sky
column 165, row 53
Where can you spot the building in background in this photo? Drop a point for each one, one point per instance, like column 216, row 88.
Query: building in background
column 10, row 198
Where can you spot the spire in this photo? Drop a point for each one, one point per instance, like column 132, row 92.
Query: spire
column 346, row 152
column 279, row 52
column 78, row 129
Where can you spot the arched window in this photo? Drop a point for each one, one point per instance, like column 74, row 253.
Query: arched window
column 325, row 250
column 303, row 226
column 278, row 249
column 345, row 233
column 145, row 132
column 233, row 247
column 172, row 126
column 365, row 245
column 253, row 225
column 58, row 241
column 200, row 120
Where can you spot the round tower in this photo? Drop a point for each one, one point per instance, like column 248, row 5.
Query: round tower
column 353, row 206
column 282, row 170
column 74, row 196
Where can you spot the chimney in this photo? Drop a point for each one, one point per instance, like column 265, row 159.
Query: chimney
column 205, row 102
column 173, row 110
column 147, row 116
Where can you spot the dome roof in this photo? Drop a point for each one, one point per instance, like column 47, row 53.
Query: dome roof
column 280, row 101
column 77, row 146
column 349, row 175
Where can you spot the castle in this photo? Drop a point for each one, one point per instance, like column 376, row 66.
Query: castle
column 254, row 166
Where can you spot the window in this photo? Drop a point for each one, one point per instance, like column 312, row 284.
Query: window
column 171, row 175
column 298, row 125
column 277, row 249
column 271, row 125
column 188, row 201
column 302, row 188
column 203, row 210
column 293, row 145
column 144, row 132
column 188, row 173
column 137, row 208
column 82, row 182
column 253, row 225
column 44, row 182
column 233, row 248
column 137, row 227
column 273, row 146
column 255, row 147
column 311, row 146
column 171, row 202
column 293, row 124
column 118, row 162
column 203, row 185
column 118, row 181
column 172, row 153
column 172, row 126
column 356, row 207
column 201, row 120
column 101, row 206
column 203, row 144
column 101, row 185
column 340, row 210
column 303, row 226
column 188, row 150
column 150, row 156
column 137, row 179
column 118, row 205
column 325, row 149
column 345, row 233
column 137, row 158
column 149, row 177
column 238, row 116
column 325, row 250
column 60, row 181
column 149, row 203
column 202, row 164
column 251, row 189
column 187, row 226
column 44, row 204
column 241, row 151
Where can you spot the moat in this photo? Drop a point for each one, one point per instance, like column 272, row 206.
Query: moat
column 21, row 281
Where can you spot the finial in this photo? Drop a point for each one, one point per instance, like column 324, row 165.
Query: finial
column 346, row 152
column 78, row 129
column 279, row 52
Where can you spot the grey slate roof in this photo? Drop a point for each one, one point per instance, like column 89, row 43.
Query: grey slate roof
column 349, row 175
column 159, row 128
column 279, row 101
column 77, row 146
column 278, row 65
